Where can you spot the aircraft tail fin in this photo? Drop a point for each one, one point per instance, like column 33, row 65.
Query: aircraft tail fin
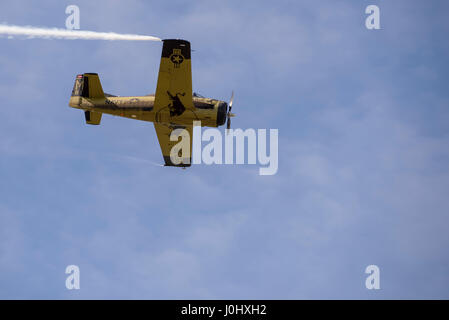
column 88, row 85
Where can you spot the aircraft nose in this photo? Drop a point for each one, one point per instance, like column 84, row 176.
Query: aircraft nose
column 225, row 106
column 221, row 113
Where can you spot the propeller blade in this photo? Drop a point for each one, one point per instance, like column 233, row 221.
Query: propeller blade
column 231, row 101
column 229, row 114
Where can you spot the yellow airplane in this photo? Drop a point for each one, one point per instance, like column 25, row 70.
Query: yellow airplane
column 173, row 106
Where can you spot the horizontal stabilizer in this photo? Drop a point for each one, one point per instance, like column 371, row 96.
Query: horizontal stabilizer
column 92, row 117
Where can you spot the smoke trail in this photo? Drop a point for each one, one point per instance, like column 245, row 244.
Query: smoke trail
column 47, row 33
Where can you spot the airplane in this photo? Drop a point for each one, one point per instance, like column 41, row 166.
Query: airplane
column 173, row 106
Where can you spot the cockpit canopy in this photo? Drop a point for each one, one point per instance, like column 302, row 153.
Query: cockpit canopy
column 197, row 95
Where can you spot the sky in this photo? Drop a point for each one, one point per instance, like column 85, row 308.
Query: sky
column 363, row 178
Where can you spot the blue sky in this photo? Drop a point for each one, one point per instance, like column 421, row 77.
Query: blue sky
column 363, row 119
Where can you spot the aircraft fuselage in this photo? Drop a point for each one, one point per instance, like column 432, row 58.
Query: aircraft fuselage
column 211, row 112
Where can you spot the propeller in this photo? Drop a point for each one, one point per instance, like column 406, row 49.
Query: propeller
column 229, row 115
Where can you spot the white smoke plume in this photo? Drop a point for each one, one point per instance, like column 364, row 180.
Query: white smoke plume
column 53, row 33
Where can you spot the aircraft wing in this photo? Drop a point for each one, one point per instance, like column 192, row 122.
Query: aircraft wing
column 163, row 132
column 174, row 83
